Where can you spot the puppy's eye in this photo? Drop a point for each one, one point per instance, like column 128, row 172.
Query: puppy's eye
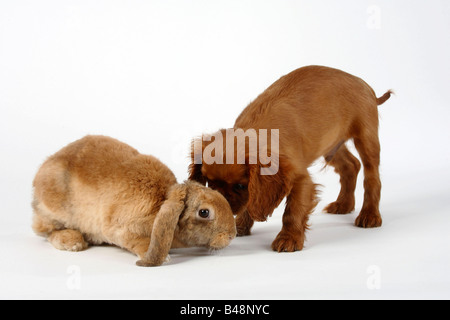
column 239, row 187
column 203, row 213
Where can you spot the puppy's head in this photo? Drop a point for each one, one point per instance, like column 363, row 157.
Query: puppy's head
column 236, row 173
column 231, row 180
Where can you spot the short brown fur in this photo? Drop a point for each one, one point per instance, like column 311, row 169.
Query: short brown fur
column 316, row 109
column 100, row 190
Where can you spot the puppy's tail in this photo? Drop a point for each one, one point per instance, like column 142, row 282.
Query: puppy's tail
column 384, row 97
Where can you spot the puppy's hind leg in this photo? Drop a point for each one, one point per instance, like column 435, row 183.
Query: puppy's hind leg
column 368, row 146
column 347, row 166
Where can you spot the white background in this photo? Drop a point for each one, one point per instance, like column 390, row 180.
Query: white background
column 154, row 74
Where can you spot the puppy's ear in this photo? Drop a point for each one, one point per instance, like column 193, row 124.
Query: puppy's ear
column 265, row 192
column 195, row 167
column 164, row 227
column 195, row 173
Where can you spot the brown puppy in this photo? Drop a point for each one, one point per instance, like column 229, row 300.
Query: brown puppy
column 316, row 110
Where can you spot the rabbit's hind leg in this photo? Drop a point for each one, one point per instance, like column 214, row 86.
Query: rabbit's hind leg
column 46, row 224
column 68, row 240
column 55, row 232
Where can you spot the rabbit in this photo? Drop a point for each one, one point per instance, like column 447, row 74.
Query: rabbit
column 99, row 190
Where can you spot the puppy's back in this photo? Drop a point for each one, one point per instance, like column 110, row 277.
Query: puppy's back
column 317, row 106
column 312, row 92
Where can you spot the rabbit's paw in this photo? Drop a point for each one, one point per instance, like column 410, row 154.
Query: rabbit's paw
column 147, row 263
column 68, row 240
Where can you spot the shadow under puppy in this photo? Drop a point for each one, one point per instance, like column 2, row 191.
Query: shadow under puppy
column 99, row 190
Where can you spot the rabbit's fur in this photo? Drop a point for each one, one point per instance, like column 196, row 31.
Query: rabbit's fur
column 99, row 190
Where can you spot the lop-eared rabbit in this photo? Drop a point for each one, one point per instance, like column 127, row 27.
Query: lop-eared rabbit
column 99, row 190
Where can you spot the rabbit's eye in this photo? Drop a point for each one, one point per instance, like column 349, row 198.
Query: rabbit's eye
column 203, row 213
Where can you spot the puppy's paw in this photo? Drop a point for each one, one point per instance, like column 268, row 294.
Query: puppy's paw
column 244, row 224
column 285, row 242
column 368, row 219
column 242, row 230
column 340, row 207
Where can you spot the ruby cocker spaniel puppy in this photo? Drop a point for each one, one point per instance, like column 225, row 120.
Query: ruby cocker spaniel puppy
column 306, row 114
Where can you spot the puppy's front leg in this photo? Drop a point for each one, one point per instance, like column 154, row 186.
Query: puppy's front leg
column 244, row 224
column 299, row 204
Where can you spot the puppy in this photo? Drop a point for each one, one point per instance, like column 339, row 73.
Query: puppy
column 315, row 110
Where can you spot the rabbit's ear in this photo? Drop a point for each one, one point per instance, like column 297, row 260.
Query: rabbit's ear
column 164, row 227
